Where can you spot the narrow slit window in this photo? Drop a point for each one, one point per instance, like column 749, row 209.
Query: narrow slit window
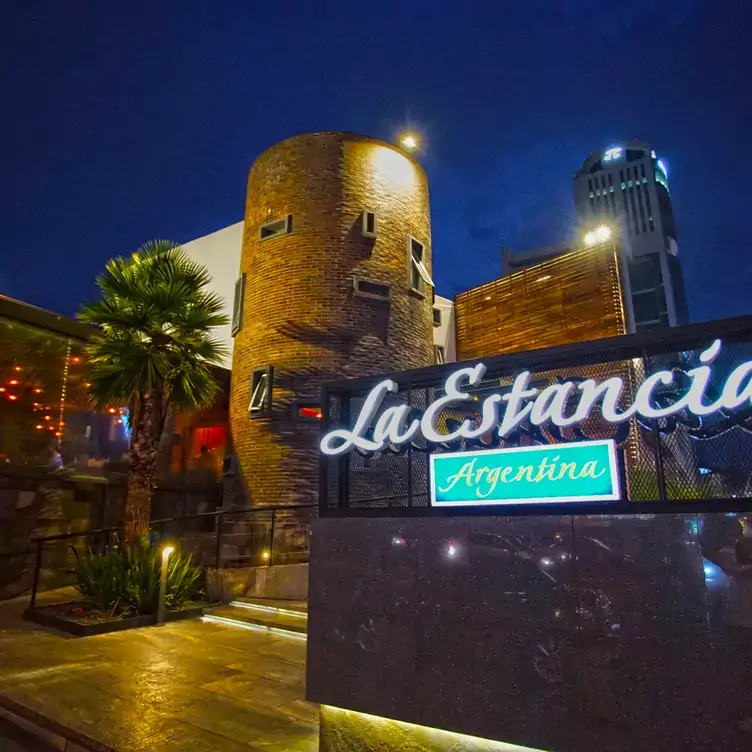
column 237, row 305
column 261, row 391
column 437, row 316
column 439, row 355
column 419, row 276
column 369, row 224
column 275, row 228
column 365, row 288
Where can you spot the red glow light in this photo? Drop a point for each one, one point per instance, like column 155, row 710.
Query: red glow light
column 13, row 382
column 12, row 397
column 37, row 391
column 311, row 412
column 111, row 410
column 17, row 368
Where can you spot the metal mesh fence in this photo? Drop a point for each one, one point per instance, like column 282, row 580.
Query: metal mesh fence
column 680, row 457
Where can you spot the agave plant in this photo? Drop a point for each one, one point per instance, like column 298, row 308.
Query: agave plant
column 125, row 579
column 153, row 351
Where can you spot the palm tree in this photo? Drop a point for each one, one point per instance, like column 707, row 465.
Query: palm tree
column 153, row 351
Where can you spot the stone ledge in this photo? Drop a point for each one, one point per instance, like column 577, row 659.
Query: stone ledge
column 51, row 732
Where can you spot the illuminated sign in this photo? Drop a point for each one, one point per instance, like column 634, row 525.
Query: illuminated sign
column 563, row 404
column 581, row 471
column 612, row 154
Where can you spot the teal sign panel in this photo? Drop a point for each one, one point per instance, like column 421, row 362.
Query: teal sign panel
column 580, row 471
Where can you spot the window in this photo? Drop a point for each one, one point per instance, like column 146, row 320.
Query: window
column 237, row 305
column 308, row 411
column 369, row 224
column 647, row 306
column 439, row 355
column 275, row 228
column 437, row 316
column 261, row 391
column 419, row 276
column 364, row 288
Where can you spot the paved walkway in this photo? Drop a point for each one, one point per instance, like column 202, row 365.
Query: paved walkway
column 189, row 686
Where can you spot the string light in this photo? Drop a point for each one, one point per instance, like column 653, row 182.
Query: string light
column 64, row 388
column 13, row 382
column 17, row 368
column 12, row 397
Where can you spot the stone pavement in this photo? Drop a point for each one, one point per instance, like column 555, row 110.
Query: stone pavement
column 189, row 685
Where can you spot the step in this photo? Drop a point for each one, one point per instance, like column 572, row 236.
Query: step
column 290, row 620
column 273, row 605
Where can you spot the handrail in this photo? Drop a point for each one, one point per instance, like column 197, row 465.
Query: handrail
column 218, row 515
column 164, row 520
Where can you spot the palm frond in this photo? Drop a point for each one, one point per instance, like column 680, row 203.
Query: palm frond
column 155, row 321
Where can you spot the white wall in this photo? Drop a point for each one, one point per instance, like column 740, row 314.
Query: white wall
column 444, row 335
column 219, row 252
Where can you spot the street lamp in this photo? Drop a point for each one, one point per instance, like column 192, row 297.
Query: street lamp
column 599, row 235
column 166, row 551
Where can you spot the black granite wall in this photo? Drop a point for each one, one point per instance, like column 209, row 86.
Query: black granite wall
column 559, row 633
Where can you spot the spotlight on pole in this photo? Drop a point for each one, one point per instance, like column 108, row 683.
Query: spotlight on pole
column 166, row 551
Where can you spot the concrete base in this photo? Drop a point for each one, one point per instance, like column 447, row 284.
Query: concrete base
column 346, row 730
column 286, row 581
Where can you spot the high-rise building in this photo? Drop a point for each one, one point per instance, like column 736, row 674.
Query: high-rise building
column 626, row 186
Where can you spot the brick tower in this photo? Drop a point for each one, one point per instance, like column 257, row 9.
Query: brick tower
column 335, row 282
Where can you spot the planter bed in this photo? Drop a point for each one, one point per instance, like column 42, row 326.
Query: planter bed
column 81, row 619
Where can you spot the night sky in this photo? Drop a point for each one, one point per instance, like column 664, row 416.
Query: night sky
column 122, row 122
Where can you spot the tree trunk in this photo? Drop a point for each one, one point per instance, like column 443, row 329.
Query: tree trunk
column 145, row 436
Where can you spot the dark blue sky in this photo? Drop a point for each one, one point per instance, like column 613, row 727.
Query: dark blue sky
column 122, row 122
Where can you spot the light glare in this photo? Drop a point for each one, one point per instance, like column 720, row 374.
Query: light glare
column 409, row 142
column 598, row 235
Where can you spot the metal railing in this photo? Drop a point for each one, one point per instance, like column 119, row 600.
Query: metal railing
column 252, row 536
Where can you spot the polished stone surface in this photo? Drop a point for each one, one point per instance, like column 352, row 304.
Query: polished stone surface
column 189, row 685
column 565, row 633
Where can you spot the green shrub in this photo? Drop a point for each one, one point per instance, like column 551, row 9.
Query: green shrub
column 125, row 579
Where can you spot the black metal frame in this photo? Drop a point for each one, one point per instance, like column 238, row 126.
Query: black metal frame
column 634, row 346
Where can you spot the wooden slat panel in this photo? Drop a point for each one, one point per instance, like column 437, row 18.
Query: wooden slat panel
column 573, row 298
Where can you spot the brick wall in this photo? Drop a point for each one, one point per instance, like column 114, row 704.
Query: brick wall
column 299, row 313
